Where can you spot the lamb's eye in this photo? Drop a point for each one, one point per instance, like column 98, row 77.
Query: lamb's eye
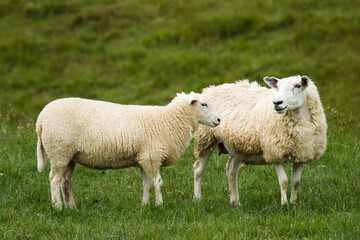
column 298, row 86
column 204, row 104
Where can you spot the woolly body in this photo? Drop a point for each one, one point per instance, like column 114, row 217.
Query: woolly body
column 250, row 125
column 254, row 133
column 103, row 135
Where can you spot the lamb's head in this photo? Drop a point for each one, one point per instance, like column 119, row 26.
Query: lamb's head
column 291, row 92
column 206, row 112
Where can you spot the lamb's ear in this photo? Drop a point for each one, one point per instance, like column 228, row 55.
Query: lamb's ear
column 305, row 81
column 271, row 81
column 193, row 102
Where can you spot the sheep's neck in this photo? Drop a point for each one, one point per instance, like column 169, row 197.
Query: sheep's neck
column 186, row 121
column 303, row 112
column 190, row 124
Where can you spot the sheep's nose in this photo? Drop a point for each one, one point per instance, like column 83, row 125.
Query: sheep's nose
column 277, row 102
column 219, row 120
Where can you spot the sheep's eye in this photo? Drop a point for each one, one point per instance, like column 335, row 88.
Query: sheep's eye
column 298, row 86
column 204, row 104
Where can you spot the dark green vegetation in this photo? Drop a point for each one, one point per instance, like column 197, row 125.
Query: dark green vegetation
column 144, row 52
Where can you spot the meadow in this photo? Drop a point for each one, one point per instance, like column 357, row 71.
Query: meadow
column 144, row 52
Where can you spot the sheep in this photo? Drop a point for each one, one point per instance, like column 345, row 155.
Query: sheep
column 104, row 135
column 261, row 126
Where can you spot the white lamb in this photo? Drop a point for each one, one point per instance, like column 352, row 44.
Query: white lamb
column 263, row 126
column 103, row 135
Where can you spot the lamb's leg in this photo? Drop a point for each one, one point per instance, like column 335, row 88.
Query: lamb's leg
column 158, row 183
column 199, row 169
column 66, row 186
column 146, row 187
column 283, row 181
column 56, row 175
column 295, row 181
column 151, row 168
column 232, row 168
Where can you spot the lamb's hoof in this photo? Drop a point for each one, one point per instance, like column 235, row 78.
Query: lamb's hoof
column 197, row 198
column 74, row 208
column 159, row 203
column 57, row 206
column 71, row 206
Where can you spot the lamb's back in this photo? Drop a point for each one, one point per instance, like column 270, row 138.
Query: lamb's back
column 96, row 129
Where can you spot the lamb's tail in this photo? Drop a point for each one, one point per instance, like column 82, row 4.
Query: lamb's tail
column 40, row 150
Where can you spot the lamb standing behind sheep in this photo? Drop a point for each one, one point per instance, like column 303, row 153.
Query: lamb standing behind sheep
column 263, row 126
column 103, row 135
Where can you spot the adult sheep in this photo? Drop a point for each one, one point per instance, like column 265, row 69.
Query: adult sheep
column 103, row 135
column 263, row 126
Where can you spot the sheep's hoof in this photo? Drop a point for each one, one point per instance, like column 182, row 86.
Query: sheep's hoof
column 293, row 200
column 235, row 203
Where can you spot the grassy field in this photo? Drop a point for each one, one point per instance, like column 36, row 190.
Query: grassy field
column 144, row 52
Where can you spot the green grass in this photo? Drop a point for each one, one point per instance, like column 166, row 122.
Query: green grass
column 144, row 52
column 109, row 202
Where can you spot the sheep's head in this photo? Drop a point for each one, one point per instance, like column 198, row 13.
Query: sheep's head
column 207, row 113
column 291, row 93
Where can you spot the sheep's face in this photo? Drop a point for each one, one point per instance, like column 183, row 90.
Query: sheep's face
column 291, row 93
column 207, row 113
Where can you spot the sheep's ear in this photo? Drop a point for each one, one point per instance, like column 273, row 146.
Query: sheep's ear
column 271, row 81
column 305, row 81
column 191, row 99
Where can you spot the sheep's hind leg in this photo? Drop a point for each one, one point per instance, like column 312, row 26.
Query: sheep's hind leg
column 56, row 175
column 66, row 186
column 283, row 181
column 199, row 169
column 232, row 168
column 158, row 183
column 295, row 181
column 147, row 184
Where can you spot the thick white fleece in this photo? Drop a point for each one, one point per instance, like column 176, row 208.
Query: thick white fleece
column 105, row 135
column 252, row 130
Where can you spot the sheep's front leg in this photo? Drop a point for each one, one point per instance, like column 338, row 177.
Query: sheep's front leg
column 283, row 181
column 232, row 168
column 150, row 172
column 199, row 169
column 158, row 183
column 295, row 181
column 146, row 187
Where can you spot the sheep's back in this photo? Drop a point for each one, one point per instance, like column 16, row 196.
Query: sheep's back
column 249, row 124
column 95, row 129
column 242, row 106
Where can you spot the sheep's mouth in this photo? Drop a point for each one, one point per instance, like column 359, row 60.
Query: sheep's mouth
column 280, row 109
column 215, row 124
